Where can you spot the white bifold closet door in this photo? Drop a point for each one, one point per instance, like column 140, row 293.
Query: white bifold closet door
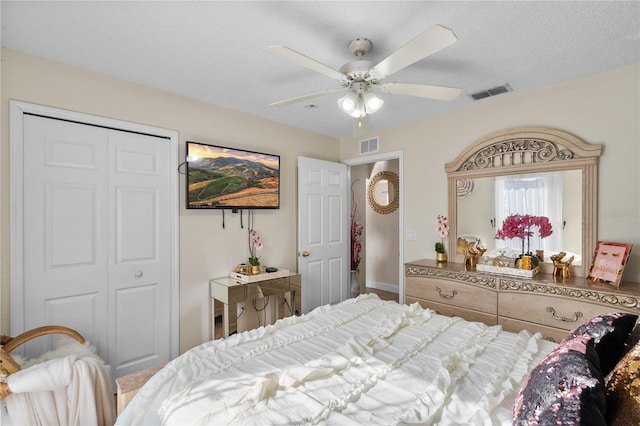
column 97, row 239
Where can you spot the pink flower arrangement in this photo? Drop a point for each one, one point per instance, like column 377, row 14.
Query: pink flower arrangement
column 356, row 246
column 356, row 233
column 255, row 244
column 519, row 226
column 442, row 228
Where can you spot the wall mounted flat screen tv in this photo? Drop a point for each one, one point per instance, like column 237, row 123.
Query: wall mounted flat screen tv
column 227, row 178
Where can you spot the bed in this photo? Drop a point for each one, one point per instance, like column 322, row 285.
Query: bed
column 362, row 361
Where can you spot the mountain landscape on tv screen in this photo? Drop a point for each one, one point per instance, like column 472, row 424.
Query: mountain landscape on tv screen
column 232, row 182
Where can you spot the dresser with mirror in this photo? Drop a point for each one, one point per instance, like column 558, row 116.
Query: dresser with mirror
column 522, row 161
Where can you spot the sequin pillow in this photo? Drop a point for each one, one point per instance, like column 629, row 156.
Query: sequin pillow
column 623, row 390
column 566, row 388
column 609, row 333
column 633, row 339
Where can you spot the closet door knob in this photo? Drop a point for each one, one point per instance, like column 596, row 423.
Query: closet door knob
column 138, row 274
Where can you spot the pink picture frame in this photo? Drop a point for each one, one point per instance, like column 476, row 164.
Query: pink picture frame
column 609, row 260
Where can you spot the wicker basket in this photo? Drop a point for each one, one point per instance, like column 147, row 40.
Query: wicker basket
column 8, row 365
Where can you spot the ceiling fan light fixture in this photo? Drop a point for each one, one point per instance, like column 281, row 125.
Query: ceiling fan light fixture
column 358, row 104
column 348, row 102
column 359, row 110
column 372, row 102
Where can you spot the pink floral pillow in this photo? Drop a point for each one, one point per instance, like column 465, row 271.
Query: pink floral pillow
column 566, row 388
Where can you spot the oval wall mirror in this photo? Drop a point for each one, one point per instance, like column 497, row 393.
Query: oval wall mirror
column 382, row 193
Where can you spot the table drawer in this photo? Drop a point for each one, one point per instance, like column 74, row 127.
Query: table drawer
column 454, row 311
column 453, row 293
column 552, row 311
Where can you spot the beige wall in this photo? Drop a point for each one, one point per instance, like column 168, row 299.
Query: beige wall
column 206, row 249
column 601, row 109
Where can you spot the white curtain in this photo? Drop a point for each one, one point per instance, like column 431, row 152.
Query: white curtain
column 536, row 194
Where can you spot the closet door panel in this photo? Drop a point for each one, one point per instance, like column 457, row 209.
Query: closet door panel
column 139, row 247
column 139, row 341
column 65, row 228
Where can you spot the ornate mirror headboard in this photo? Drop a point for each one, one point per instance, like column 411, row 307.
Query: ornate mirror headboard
column 504, row 170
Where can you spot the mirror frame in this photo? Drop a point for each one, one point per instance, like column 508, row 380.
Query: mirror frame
column 530, row 150
column 393, row 180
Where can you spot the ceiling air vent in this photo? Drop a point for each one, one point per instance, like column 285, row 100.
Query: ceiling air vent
column 491, row 92
column 367, row 146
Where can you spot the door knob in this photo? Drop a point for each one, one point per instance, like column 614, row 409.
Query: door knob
column 138, row 274
column 305, row 254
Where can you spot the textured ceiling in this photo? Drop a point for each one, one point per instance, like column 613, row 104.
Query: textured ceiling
column 216, row 51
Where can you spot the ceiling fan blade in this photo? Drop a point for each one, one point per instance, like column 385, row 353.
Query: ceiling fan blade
column 427, row 43
column 305, row 61
column 441, row 93
column 305, row 97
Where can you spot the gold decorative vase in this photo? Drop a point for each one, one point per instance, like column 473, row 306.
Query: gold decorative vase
column 441, row 257
column 526, row 263
column 255, row 269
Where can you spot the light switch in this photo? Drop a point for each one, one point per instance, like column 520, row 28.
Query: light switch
column 412, row 235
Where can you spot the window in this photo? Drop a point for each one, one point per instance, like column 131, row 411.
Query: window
column 536, row 194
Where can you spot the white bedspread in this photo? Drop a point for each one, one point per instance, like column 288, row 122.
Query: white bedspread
column 364, row 361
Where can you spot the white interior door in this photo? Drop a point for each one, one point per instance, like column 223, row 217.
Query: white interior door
column 97, row 240
column 323, row 232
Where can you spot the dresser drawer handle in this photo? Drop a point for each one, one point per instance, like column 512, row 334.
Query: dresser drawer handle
column 446, row 296
column 576, row 315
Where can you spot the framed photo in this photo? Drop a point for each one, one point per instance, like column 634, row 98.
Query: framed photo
column 608, row 262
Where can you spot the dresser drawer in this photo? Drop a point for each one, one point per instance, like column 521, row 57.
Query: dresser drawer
column 454, row 311
column 549, row 333
column 552, row 311
column 454, row 293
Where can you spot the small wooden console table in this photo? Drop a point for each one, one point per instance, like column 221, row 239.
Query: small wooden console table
column 230, row 291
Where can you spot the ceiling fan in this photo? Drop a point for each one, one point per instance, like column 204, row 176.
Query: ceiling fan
column 358, row 78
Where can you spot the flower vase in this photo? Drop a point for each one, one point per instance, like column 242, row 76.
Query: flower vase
column 526, row 262
column 355, row 286
column 255, row 269
column 441, row 257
